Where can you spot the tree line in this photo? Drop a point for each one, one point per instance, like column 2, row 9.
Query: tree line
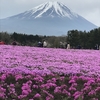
column 87, row 40
column 30, row 40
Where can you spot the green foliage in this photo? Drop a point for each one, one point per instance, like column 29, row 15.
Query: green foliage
column 4, row 36
column 87, row 40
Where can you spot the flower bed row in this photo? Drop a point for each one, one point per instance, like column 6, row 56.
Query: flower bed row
column 48, row 87
column 46, row 60
column 30, row 73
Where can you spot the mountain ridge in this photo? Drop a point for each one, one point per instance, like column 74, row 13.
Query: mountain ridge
column 50, row 18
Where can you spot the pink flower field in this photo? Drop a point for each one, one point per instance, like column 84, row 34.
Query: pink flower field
column 32, row 73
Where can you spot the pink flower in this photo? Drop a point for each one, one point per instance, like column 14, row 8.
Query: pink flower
column 25, row 92
column 63, row 86
column 57, row 90
column 37, row 95
column 48, row 98
column 12, row 85
column 35, row 86
column 72, row 89
column 62, row 78
column 29, row 82
column 3, row 77
column 92, row 92
column 53, row 80
column 77, row 93
column 86, row 89
column 2, row 95
column 2, row 90
column 50, row 95
column 97, row 89
column 66, row 92
column 72, row 81
column 74, row 84
column 76, row 97
column 19, row 76
column 25, row 86
column 21, row 96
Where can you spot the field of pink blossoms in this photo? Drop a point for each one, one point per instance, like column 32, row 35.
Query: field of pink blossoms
column 31, row 73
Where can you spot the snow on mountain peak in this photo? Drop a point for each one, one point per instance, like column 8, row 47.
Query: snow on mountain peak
column 51, row 9
column 50, row 18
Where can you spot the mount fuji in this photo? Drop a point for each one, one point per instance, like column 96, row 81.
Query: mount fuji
column 50, row 18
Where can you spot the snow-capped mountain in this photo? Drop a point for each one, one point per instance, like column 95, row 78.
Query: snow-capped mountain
column 50, row 18
column 48, row 9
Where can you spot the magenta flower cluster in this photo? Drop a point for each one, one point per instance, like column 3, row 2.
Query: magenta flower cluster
column 31, row 73
column 76, row 87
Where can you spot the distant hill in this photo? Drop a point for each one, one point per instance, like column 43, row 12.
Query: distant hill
column 50, row 18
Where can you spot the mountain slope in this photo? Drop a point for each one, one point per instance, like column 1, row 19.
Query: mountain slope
column 50, row 18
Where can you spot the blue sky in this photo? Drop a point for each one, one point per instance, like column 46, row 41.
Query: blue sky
column 89, row 9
